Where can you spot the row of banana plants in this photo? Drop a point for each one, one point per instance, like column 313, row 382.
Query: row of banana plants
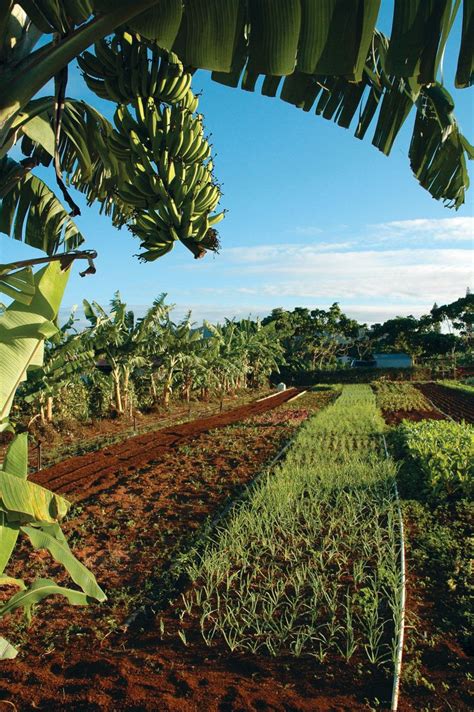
column 149, row 359
column 309, row 563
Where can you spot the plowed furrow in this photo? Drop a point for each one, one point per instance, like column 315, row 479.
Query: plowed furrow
column 460, row 406
column 93, row 472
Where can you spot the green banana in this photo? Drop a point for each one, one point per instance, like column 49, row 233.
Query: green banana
column 105, row 56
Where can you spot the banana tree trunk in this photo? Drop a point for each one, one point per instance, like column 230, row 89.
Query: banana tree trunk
column 187, row 390
column 154, row 392
column 49, row 409
column 117, row 392
column 167, row 389
column 126, row 394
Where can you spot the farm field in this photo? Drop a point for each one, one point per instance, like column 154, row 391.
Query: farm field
column 241, row 481
column 457, row 403
column 402, row 401
column 75, row 437
column 149, row 533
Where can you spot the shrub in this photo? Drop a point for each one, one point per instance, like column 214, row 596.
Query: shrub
column 100, row 390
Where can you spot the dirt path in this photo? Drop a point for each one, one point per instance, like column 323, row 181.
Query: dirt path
column 91, row 473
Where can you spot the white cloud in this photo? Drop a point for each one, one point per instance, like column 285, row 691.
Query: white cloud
column 389, row 275
column 460, row 228
column 303, row 272
column 281, row 252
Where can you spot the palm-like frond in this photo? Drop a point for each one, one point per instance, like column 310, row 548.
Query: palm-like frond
column 85, row 159
column 30, row 212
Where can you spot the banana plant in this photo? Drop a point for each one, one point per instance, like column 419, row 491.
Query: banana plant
column 262, row 352
column 124, row 340
column 68, row 355
column 177, row 354
column 27, row 508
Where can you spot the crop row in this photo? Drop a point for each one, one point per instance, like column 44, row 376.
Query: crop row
column 443, row 451
column 393, row 396
column 309, row 564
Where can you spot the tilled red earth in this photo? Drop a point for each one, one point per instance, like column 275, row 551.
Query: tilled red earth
column 455, row 403
column 394, row 417
column 128, row 523
column 87, row 474
column 128, row 533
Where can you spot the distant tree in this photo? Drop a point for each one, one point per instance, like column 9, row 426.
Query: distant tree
column 313, row 339
column 458, row 317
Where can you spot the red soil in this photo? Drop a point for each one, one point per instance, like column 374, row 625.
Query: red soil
column 394, row 417
column 127, row 533
column 91, row 473
column 127, row 526
column 455, row 403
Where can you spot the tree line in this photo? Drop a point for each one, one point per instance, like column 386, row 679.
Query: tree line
column 120, row 363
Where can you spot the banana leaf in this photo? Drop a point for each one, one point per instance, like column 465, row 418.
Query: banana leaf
column 209, row 33
column 30, row 212
column 416, row 38
column 51, row 538
column 7, row 651
column 24, row 501
column 23, row 329
column 39, row 590
column 17, row 283
column 16, row 462
column 465, row 68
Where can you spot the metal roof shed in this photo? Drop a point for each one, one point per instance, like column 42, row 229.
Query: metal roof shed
column 393, row 360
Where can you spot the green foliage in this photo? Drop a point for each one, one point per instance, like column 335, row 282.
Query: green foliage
column 24, row 506
column 23, row 329
column 30, row 211
column 72, row 402
column 444, row 453
column 309, row 562
column 464, row 387
column 440, row 549
column 312, row 339
column 100, row 389
column 400, row 396
column 35, row 511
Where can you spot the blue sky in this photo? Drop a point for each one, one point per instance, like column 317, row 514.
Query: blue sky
column 315, row 216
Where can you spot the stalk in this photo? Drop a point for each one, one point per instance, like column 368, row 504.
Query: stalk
column 43, row 64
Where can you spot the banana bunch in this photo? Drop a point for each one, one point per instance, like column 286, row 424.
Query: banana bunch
column 127, row 67
column 170, row 174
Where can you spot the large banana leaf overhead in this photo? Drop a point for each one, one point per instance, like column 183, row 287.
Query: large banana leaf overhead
column 320, row 55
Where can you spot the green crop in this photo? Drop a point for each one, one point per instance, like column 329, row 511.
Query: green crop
column 463, row 386
column 400, row 396
column 309, row 563
column 444, row 452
